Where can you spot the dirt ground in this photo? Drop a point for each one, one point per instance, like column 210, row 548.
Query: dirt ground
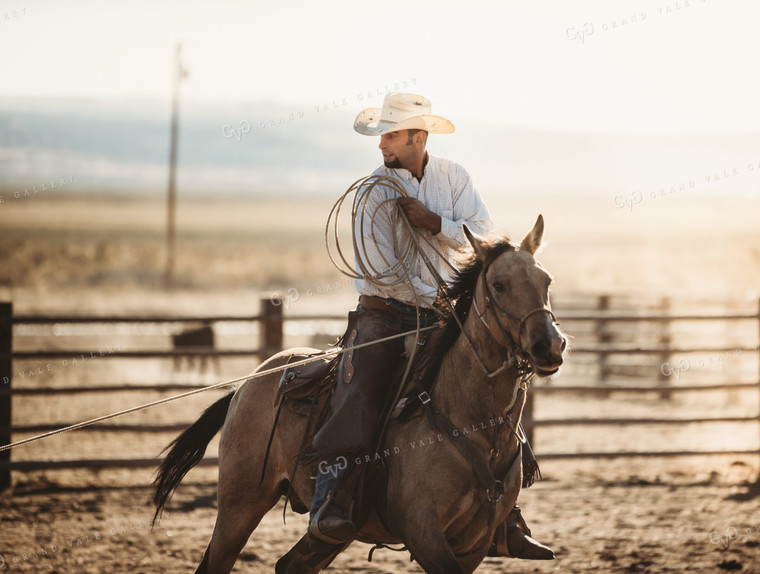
column 675, row 522
column 610, row 516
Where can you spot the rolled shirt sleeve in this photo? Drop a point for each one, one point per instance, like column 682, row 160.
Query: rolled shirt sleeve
column 468, row 208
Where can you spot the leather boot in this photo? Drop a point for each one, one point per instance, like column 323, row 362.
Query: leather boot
column 512, row 540
column 331, row 525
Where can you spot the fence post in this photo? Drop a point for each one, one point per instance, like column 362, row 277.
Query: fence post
column 665, row 345
column 604, row 337
column 270, row 332
column 6, row 347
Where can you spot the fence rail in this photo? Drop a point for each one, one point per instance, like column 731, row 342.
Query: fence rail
column 271, row 321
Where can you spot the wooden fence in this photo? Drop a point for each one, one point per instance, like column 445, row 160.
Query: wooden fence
column 598, row 349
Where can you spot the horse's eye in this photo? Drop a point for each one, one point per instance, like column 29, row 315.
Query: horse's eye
column 498, row 287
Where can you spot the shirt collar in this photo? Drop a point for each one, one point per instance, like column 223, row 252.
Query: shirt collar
column 406, row 175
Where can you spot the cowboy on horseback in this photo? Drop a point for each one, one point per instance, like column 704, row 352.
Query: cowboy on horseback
column 439, row 199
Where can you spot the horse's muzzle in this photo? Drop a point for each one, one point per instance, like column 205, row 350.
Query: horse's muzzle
column 546, row 355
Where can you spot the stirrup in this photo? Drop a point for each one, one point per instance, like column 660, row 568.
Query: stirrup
column 515, row 518
column 500, row 545
column 314, row 523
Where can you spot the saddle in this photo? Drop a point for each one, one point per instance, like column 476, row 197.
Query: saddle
column 302, row 383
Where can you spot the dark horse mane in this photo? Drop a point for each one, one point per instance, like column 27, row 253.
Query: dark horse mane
column 462, row 290
column 458, row 295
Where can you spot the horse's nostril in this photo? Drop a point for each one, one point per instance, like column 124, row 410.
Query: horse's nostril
column 539, row 349
column 564, row 343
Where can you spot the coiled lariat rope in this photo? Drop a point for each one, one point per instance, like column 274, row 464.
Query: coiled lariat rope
column 394, row 273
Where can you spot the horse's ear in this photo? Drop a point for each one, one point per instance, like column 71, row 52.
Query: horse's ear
column 532, row 241
column 475, row 241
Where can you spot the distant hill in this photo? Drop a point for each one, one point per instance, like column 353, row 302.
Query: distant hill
column 265, row 147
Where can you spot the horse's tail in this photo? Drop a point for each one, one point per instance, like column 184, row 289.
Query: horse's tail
column 187, row 450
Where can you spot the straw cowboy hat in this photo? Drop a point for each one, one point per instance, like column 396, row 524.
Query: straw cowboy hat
column 401, row 111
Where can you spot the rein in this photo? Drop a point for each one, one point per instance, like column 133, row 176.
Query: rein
column 515, row 354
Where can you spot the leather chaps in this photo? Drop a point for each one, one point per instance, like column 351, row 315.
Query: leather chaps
column 364, row 384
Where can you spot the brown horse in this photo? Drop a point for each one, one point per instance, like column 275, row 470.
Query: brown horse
column 451, row 476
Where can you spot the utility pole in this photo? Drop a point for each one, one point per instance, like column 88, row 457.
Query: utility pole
column 179, row 73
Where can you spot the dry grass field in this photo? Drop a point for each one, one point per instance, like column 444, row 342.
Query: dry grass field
column 98, row 255
column 689, row 247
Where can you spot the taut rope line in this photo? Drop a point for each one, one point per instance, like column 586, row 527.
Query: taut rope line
column 254, row 375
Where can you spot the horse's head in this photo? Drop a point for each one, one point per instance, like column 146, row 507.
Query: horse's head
column 512, row 299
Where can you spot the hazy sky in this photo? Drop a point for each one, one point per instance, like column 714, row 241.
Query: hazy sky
column 652, row 66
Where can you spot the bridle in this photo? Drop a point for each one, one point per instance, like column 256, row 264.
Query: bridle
column 516, row 355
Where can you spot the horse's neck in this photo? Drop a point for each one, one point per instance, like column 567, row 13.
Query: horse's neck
column 466, row 394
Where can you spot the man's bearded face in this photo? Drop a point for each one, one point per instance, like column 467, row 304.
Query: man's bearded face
column 397, row 149
column 392, row 162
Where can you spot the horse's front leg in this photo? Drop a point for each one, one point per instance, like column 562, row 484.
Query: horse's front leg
column 426, row 541
column 305, row 559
